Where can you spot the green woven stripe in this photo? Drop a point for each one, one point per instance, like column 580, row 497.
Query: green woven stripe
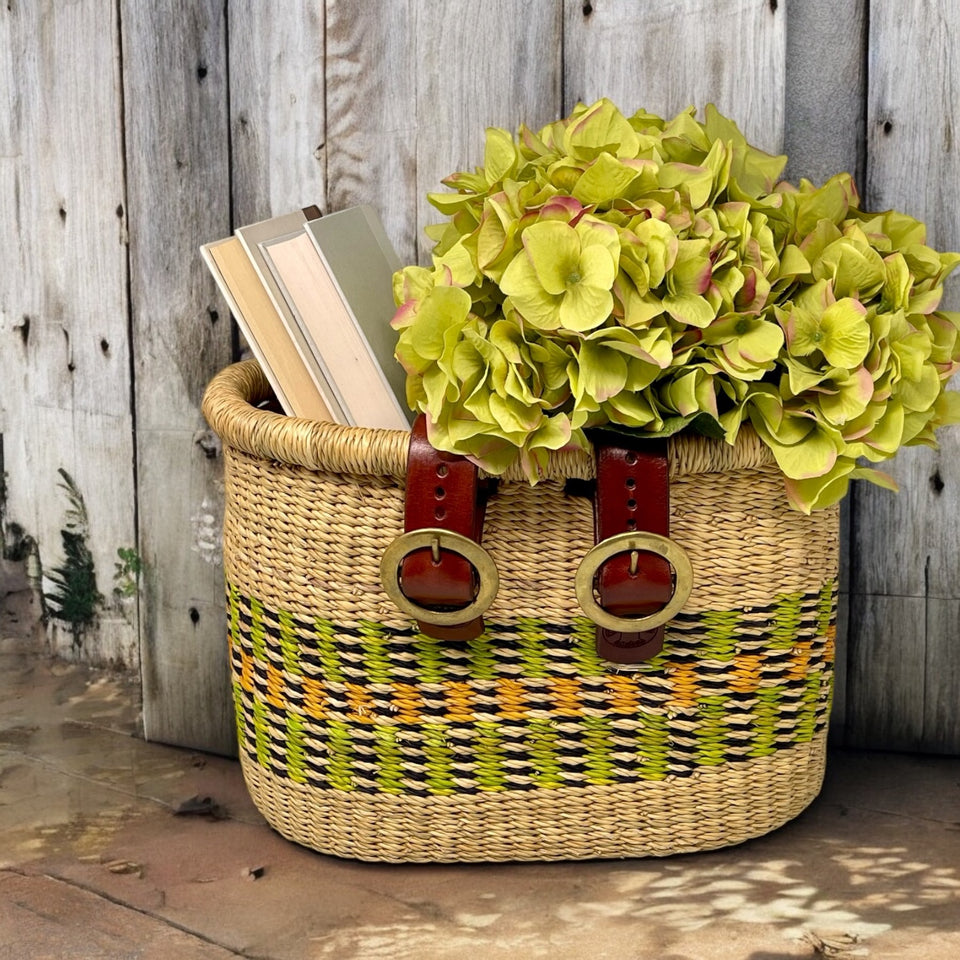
column 389, row 760
column 257, row 632
column 530, row 644
column 489, row 757
column 326, row 639
column 585, row 658
column 289, row 644
column 339, row 755
column 482, row 662
column 376, row 659
column 787, row 617
column 431, row 660
column 542, row 746
column 239, row 715
column 261, row 731
column 766, row 713
column 532, row 700
column 296, row 754
column 439, row 759
column 233, row 608
column 653, row 746
column 721, row 640
column 810, row 698
column 825, row 608
column 712, row 730
column 599, row 745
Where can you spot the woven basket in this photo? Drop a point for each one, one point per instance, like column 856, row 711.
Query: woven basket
column 360, row 737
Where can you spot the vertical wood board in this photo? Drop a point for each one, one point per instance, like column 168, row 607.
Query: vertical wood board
column 277, row 110
column 906, row 546
column 65, row 401
column 371, row 115
column 825, row 90
column 479, row 65
column 667, row 56
column 177, row 150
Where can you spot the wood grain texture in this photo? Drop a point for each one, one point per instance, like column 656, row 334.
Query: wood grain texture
column 825, row 91
column 65, row 401
column 670, row 55
column 371, row 114
column 905, row 546
column 465, row 85
column 277, row 110
column 885, row 673
column 178, row 181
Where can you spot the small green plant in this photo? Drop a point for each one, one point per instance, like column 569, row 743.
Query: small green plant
column 75, row 599
column 126, row 576
column 651, row 276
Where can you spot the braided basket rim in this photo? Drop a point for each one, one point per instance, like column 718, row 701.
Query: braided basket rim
column 229, row 406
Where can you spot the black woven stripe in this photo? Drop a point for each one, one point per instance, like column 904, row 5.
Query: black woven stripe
column 524, row 778
column 682, row 624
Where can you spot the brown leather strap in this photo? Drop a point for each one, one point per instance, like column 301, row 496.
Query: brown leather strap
column 443, row 490
column 633, row 494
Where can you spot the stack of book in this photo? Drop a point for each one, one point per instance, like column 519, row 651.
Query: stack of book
column 313, row 297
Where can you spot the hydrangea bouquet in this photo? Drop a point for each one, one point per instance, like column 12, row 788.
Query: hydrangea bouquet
column 650, row 276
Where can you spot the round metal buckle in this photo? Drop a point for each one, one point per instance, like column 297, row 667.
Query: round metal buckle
column 671, row 551
column 436, row 540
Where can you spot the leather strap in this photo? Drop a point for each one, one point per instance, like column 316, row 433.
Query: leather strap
column 633, row 494
column 443, row 490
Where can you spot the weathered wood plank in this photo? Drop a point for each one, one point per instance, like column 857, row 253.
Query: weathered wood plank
column 825, row 90
column 885, row 675
column 371, row 77
column 178, row 177
column 461, row 91
column 409, row 99
column 276, row 109
column 824, row 122
column 905, row 545
column 65, row 401
column 673, row 54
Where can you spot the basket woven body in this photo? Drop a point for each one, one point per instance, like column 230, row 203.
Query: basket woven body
column 361, row 737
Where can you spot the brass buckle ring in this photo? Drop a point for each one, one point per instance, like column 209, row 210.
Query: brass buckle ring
column 670, row 550
column 437, row 540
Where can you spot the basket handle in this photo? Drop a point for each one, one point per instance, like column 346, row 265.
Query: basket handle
column 436, row 571
column 633, row 564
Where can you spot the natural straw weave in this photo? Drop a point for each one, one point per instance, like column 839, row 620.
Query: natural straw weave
column 363, row 738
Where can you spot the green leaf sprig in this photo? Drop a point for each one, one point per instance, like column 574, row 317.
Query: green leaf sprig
column 651, row 276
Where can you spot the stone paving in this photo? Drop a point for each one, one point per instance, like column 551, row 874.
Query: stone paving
column 95, row 861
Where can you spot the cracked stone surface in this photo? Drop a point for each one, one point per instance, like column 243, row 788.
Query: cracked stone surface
column 95, row 863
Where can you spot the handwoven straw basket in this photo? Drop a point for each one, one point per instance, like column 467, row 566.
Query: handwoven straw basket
column 360, row 737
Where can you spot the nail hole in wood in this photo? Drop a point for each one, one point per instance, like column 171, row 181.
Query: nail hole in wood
column 194, row 615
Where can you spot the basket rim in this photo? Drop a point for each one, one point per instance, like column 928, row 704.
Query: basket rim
column 229, row 406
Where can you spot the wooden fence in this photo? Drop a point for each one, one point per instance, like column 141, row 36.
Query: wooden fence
column 132, row 132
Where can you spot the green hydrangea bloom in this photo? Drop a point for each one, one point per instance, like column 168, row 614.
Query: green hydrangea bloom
column 652, row 276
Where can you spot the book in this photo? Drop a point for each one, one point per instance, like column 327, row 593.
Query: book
column 336, row 273
column 263, row 329
column 251, row 236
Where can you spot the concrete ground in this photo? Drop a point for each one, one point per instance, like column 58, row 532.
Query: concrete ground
column 96, row 862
